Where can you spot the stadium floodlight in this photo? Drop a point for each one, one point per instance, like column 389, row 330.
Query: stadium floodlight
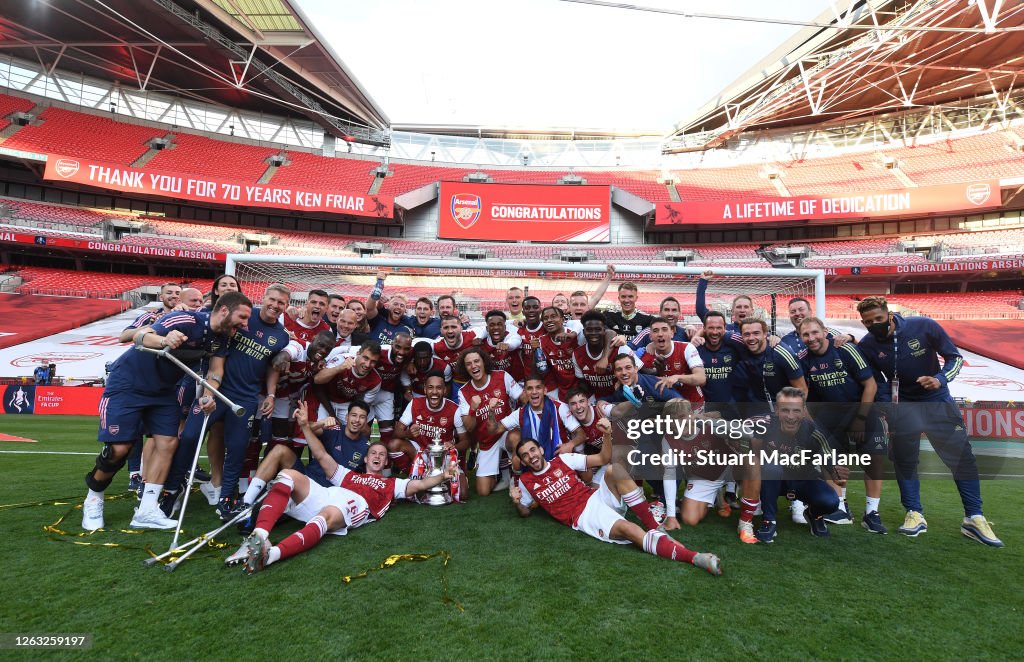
column 480, row 284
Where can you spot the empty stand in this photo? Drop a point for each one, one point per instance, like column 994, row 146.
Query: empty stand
column 949, row 306
column 352, row 175
column 217, row 158
column 406, row 177
column 28, row 317
column 61, row 282
column 863, row 260
column 987, row 156
column 826, row 176
column 84, row 135
column 190, row 229
column 742, row 181
column 9, row 104
column 59, row 214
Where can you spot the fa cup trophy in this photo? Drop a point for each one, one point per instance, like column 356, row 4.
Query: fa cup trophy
column 439, row 494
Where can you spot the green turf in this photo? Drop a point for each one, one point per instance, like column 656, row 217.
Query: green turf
column 529, row 588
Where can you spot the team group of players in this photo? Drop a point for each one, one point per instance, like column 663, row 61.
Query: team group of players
column 530, row 400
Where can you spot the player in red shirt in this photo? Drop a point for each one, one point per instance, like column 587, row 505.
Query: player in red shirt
column 592, row 361
column 310, row 321
column 677, row 364
column 557, row 345
column 485, row 392
column 598, row 512
column 546, row 421
column 353, row 500
column 500, row 345
column 531, row 331
column 347, row 378
column 452, row 343
column 428, row 420
column 299, row 361
column 587, row 417
column 423, row 363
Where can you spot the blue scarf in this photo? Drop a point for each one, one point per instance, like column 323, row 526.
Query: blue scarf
column 546, row 432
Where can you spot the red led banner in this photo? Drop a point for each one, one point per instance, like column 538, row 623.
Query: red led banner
column 201, row 188
column 522, row 212
column 853, row 204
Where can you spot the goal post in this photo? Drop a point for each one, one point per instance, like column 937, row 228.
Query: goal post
column 479, row 285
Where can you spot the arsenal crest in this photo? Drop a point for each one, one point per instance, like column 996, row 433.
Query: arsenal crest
column 977, row 194
column 465, row 209
column 67, row 167
column 443, row 421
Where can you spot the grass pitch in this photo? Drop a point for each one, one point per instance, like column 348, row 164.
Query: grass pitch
column 527, row 588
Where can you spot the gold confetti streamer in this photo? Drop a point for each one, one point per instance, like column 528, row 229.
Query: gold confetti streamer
column 395, row 559
column 56, row 533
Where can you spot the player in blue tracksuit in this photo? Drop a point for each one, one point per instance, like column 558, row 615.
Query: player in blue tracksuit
column 789, row 432
column 246, row 371
column 843, row 383
column 904, row 353
column 720, row 351
column 170, row 295
column 140, row 394
column 799, row 309
column 763, row 370
column 742, row 305
column 348, row 449
column 387, row 317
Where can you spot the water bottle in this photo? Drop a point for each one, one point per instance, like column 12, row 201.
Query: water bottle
column 540, row 361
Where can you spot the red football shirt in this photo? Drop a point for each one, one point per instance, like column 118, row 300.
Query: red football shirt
column 557, row 488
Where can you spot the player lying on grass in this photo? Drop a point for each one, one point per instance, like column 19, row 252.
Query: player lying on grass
column 354, row 499
column 597, row 512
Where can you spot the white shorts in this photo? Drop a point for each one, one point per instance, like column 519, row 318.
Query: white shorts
column 705, row 491
column 602, row 511
column 383, row 408
column 353, row 507
column 487, row 461
column 339, row 410
column 283, row 407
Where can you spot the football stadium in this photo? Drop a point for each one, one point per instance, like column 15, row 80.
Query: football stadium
column 269, row 356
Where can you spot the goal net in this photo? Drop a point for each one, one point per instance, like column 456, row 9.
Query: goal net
column 479, row 286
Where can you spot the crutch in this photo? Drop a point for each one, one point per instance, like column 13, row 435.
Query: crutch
column 196, row 543
column 237, row 410
column 188, row 485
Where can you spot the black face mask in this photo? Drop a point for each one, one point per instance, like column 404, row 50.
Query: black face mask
column 880, row 330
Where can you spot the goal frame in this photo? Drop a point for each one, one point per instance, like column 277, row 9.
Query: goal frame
column 235, row 259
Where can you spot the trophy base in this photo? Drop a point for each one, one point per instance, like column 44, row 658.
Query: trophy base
column 437, row 499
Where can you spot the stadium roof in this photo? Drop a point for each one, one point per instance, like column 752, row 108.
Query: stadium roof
column 868, row 57
column 256, row 55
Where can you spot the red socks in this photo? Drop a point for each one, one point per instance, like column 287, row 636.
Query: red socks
column 304, row 539
column 638, row 504
column 660, row 544
column 748, row 508
column 274, row 505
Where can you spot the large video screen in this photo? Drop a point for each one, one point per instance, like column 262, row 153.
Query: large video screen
column 521, row 212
